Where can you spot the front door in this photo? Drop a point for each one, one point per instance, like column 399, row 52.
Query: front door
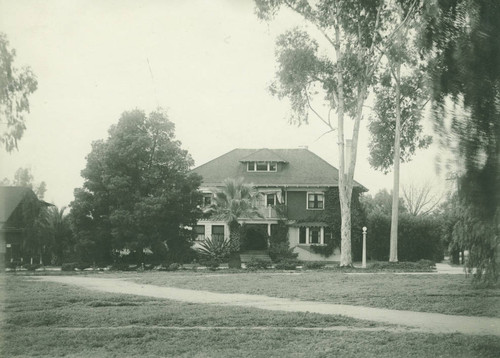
column 254, row 237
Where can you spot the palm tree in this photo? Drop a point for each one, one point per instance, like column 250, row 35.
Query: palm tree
column 60, row 232
column 235, row 200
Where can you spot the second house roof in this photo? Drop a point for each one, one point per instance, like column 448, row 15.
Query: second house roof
column 300, row 167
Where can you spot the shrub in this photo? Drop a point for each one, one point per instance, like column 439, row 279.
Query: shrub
column 216, row 248
column 257, row 264
column 14, row 264
column 323, row 250
column 426, row 263
column 401, row 266
column 314, row 265
column 83, row 265
column 31, row 267
column 281, row 251
column 121, row 266
column 211, row 264
column 69, row 266
column 173, row 267
column 287, row 264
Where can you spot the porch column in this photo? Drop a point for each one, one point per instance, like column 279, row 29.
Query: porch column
column 308, row 241
column 322, row 235
column 268, row 234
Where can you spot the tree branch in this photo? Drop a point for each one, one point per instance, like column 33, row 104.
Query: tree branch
column 391, row 36
column 321, row 136
column 315, row 112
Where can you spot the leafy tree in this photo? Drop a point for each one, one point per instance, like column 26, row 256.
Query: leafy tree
column 356, row 33
column 235, row 200
column 381, row 202
column 463, row 38
column 137, row 191
column 15, row 87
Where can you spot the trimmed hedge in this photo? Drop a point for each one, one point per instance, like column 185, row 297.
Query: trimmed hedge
column 314, row 265
column 419, row 237
column 257, row 264
column 287, row 264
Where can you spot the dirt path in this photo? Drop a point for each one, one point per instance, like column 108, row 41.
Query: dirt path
column 428, row 322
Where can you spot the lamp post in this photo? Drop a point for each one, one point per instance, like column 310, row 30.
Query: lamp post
column 363, row 265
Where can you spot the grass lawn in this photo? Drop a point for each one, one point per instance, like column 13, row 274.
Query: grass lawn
column 448, row 294
column 52, row 320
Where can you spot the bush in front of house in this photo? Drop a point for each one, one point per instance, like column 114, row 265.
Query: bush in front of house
column 83, row 265
column 215, row 248
column 287, row 264
column 121, row 266
column 257, row 264
column 167, row 267
column 281, row 251
column 14, row 265
column 31, row 267
column 69, row 266
column 210, row 263
column 173, row 266
column 314, row 265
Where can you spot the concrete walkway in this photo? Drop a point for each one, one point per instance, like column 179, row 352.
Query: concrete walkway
column 428, row 322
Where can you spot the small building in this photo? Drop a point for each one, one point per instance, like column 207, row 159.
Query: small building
column 19, row 208
column 298, row 189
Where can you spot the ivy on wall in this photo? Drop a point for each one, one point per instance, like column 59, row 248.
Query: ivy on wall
column 331, row 216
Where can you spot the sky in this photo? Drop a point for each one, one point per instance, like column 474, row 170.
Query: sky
column 208, row 62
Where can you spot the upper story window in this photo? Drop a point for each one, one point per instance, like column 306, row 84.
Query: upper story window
column 207, row 199
column 262, row 166
column 315, row 201
column 270, row 199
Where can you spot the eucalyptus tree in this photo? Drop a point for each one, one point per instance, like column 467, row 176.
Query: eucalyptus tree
column 401, row 94
column 16, row 85
column 24, row 177
column 355, row 35
column 234, row 201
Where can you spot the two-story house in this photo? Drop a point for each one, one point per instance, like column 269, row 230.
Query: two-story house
column 293, row 184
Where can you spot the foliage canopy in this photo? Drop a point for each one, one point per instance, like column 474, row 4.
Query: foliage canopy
column 16, row 85
column 137, row 191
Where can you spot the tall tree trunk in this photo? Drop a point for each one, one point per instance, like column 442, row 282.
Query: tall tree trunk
column 344, row 198
column 393, row 254
column 235, row 244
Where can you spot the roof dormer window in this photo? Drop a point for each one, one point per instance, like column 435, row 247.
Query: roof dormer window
column 262, row 166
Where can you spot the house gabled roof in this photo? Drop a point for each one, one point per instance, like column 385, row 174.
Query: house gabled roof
column 300, row 167
column 11, row 197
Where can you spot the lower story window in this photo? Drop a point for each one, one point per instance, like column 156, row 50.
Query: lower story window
column 200, row 232
column 218, row 231
column 302, row 235
column 311, row 235
column 314, row 235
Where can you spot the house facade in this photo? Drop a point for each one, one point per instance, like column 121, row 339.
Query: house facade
column 297, row 189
